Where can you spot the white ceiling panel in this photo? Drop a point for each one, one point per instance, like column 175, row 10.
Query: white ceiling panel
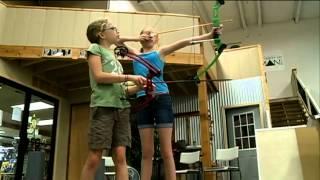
column 310, row 9
column 277, row 11
column 250, row 12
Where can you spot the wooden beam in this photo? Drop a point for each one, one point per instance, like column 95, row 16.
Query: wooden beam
column 259, row 13
column 242, row 17
column 203, row 13
column 30, row 63
column 179, row 58
column 48, row 86
column 187, row 69
column 22, row 52
column 180, row 85
column 298, row 11
column 35, row 53
column 204, row 121
column 157, row 6
column 205, row 125
column 205, row 62
column 75, row 80
column 71, row 74
column 60, row 66
column 184, row 58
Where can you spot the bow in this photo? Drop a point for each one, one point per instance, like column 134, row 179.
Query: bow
column 216, row 37
column 153, row 71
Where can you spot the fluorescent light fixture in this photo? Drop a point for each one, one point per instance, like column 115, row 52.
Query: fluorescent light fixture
column 16, row 114
column 45, row 122
column 35, row 106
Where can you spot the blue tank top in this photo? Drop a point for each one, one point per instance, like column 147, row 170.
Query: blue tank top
column 139, row 69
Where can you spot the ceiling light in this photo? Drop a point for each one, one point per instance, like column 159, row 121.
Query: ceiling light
column 35, row 106
column 45, row 122
column 2, row 132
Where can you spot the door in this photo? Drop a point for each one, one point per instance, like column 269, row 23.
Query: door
column 27, row 132
column 78, row 143
column 241, row 125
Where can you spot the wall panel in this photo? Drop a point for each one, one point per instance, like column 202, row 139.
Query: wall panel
column 35, row 33
column 3, row 11
column 97, row 15
column 66, row 27
column 237, row 64
column 81, row 22
column 51, row 28
column 21, row 26
column 9, row 25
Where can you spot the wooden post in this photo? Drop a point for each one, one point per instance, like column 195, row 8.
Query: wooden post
column 204, row 119
column 205, row 125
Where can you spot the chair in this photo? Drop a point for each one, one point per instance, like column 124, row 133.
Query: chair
column 110, row 172
column 226, row 155
column 191, row 159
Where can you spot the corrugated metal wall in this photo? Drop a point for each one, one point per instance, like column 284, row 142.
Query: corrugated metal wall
column 231, row 93
column 183, row 105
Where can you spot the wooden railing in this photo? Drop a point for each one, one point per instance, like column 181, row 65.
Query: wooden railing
column 304, row 95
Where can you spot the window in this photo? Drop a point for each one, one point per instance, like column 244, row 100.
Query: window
column 244, row 134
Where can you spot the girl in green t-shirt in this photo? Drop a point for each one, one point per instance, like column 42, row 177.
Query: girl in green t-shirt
column 109, row 113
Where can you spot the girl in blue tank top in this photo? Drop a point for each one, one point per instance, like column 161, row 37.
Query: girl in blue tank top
column 158, row 114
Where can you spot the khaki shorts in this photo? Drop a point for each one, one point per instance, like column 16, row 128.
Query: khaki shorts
column 109, row 127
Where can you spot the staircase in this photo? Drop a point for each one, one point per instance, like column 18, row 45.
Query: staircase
column 287, row 112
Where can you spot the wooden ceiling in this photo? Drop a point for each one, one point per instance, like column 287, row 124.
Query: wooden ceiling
column 62, row 77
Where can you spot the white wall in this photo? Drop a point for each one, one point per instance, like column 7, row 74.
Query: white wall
column 299, row 44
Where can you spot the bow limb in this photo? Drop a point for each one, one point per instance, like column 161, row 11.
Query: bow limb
column 217, row 40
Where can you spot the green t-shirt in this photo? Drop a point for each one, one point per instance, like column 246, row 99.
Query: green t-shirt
column 107, row 95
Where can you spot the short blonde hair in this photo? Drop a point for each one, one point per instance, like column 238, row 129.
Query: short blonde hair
column 95, row 28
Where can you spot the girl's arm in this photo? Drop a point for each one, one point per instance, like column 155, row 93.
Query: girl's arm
column 133, row 90
column 122, row 41
column 95, row 65
column 166, row 50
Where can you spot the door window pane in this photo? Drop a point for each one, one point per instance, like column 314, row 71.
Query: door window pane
column 237, row 132
column 251, row 130
column 252, row 142
column 238, row 143
column 244, row 132
column 243, row 119
column 236, row 120
column 245, row 143
column 250, row 118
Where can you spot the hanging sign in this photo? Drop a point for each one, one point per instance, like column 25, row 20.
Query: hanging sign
column 57, row 52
